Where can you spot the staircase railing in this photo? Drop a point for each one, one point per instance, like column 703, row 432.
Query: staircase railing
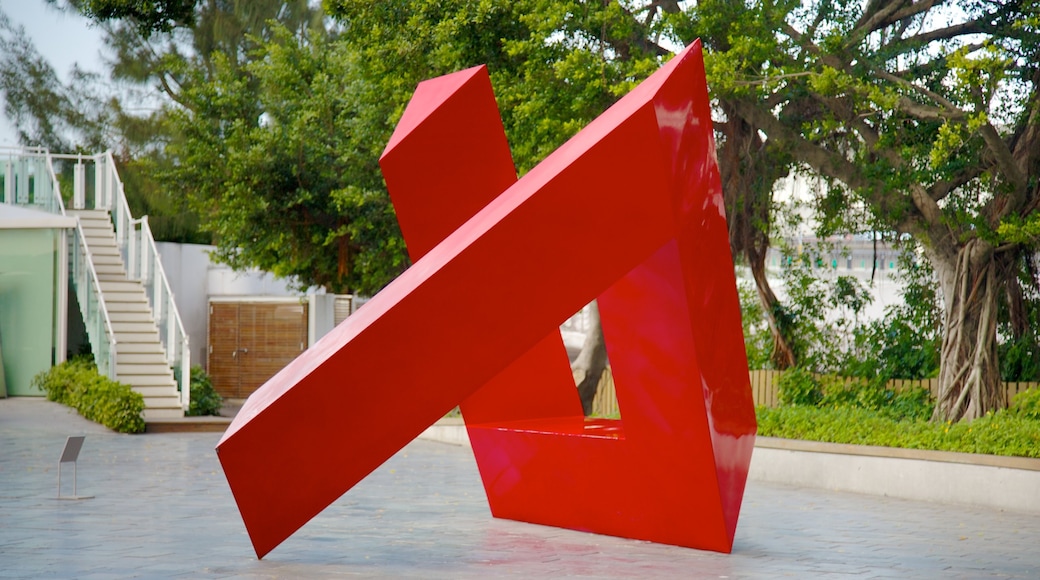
column 30, row 180
column 137, row 246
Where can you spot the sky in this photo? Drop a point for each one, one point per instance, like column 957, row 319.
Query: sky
column 62, row 38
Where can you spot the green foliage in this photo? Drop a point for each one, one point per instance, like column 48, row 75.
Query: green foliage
column 1000, row 433
column 205, row 400
column 905, row 342
column 1026, row 404
column 822, row 311
column 874, row 395
column 1019, row 324
column 278, row 159
column 147, row 15
column 797, row 386
column 757, row 337
column 77, row 384
column 555, row 64
column 1020, row 358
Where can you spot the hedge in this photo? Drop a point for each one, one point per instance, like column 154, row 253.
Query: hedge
column 77, row 384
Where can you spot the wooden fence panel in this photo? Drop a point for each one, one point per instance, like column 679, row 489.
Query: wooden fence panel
column 764, row 390
column 1013, row 389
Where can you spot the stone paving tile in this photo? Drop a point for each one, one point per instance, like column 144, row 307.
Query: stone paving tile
column 162, row 509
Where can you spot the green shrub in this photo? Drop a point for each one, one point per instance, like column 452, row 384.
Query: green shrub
column 913, row 403
column 77, row 384
column 1001, row 433
column 798, row 387
column 205, row 400
column 874, row 395
column 1027, row 404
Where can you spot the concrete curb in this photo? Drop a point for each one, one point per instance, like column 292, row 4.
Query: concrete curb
column 1004, row 483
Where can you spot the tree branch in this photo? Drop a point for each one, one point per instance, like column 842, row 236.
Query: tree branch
column 878, row 14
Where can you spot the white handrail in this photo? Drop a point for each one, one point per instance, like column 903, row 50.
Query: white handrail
column 141, row 256
column 83, row 262
column 162, row 286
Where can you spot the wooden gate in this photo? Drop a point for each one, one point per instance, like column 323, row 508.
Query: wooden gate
column 251, row 341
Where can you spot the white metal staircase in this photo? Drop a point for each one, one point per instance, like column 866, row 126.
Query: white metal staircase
column 140, row 356
column 132, row 323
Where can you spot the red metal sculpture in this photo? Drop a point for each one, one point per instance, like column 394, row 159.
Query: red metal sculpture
column 629, row 211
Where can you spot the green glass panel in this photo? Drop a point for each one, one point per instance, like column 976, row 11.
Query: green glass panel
column 28, row 260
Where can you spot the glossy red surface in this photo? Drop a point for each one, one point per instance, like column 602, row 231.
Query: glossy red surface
column 629, row 210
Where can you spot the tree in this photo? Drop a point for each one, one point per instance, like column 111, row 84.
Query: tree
column 44, row 111
column 556, row 65
column 931, row 120
column 279, row 157
column 147, row 16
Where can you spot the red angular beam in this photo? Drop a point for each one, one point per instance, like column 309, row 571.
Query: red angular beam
column 450, row 127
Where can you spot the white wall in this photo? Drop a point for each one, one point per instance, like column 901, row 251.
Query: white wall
column 195, row 278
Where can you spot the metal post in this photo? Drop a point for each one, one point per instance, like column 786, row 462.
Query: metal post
column 8, row 182
column 79, row 185
column 145, row 249
column 21, row 181
column 63, row 297
column 171, row 332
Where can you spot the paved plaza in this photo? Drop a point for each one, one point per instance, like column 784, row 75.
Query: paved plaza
column 162, row 508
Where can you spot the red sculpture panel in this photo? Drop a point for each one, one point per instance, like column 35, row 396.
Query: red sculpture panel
column 629, row 211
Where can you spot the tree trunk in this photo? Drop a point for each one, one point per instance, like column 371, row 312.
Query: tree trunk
column 969, row 370
column 749, row 168
column 782, row 356
column 592, row 360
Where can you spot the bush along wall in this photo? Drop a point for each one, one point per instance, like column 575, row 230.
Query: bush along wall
column 865, row 413
column 205, row 400
column 77, row 384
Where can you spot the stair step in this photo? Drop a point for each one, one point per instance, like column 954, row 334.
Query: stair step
column 109, row 269
column 140, row 348
column 93, row 229
column 124, row 286
column 147, row 380
column 152, row 413
column 99, row 238
column 109, row 259
column 92, row 216
column 93, row 223
column 136, row 316
column 125, row 296
column 100, row 249
column 157, row 391
column 132, row 358
column 134, row 327
column 143, row 369
column 129, row 308
column 137, row 337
